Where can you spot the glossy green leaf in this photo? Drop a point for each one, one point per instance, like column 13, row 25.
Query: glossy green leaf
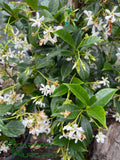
column 55, row 102
column 79, row 92
column 59, row 142
column 66, row 36
column 84, row 71
column 73, row 109
column 66, row 69
column 32, row 3
column 60, row 90
column 76, row 81
column 102, row 97
column 98, row 113
column 90, row 41
column 85, row 124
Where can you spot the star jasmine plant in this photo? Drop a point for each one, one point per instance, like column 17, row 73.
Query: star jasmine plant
column 59, row 73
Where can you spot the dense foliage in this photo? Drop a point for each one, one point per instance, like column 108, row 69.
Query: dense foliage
column 60, row 71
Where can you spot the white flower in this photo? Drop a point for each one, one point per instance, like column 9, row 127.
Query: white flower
column 112, row 15
column 104, row 81
column 52, row 88
column 68, row 58
column 118, row 57
column 117, row 117
column 45, row 89
column 100, row 137
column 89, row 18
column 48, row 37
column 58, row 27
column 94, row 33
column 4, row 148
column 37, row 21
column 40, row 103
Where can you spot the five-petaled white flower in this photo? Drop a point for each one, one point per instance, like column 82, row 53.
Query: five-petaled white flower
column 100, row 137
column 112, row 15
column 89, row 18
column 38, row 20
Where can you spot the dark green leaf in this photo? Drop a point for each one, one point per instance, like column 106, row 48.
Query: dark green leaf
column 88, row 130
column 66, row 36
column 84, row 71
column 79, row 92
column 32, row 3
column 98, row 113
column 66, row 69
column 60, row 142
column 60, row 90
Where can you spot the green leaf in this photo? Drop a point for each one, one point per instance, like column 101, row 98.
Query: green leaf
column 74, row 109
column 84, row 70
column 16, row 127
column 55, row 102
column 32, row 3
column 23, row 78
column 66, row 36
column 79, row 92
column 12, row 129
column 98, row 113
column 53, row 6
column 85, row 124
column 79, row 146
column 66, row 69
column 39, row 79
column 42, row 62
column 48, row 16
column 60, row 90
column 5, row 108
column 107, row 66
column 76, row 81
column 60, row 142
column 102, row 97
column 90, row 41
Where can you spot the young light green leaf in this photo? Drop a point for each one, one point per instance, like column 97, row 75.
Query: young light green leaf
column 79, row 92
column 102, row 97
column 98, row 113
column 66, row 36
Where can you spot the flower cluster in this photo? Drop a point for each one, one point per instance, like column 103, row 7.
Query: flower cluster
column 73, row 132
column 11, row 98
column 37, row 123
column 100, row 137
column 99, row 26
column 47, row 90
column 3, row 147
